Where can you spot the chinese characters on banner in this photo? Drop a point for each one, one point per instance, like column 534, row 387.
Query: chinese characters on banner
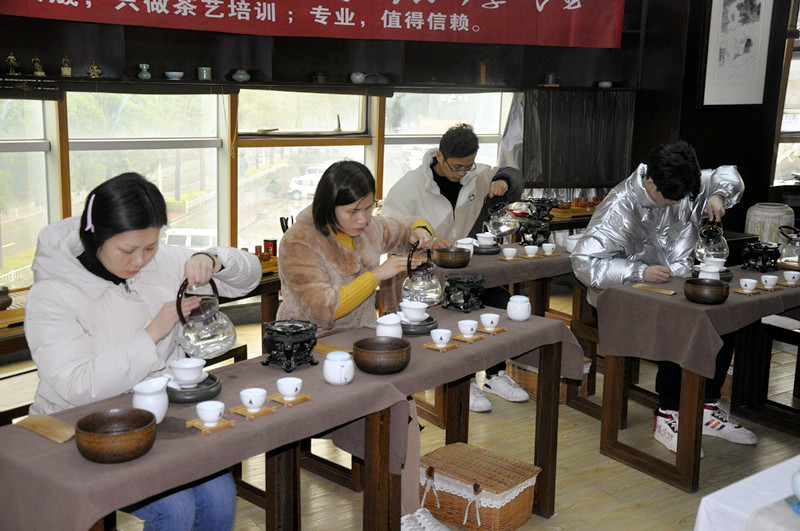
column 584, row 23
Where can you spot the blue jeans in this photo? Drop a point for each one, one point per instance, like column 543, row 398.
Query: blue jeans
column 209, row 504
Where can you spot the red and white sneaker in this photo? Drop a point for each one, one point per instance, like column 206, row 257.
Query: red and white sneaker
column 718, row 423
column 666, row 429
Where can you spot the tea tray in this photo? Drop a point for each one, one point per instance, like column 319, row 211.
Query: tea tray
column 205, row 390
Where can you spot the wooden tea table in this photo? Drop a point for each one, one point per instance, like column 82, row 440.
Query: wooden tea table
column 644, row 324
column 47, row 485
column 544, row 343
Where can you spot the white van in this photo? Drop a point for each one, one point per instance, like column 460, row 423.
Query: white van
column 192, row 238
column 306, row 184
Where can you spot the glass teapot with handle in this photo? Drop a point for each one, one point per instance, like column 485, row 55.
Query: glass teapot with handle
column 207, row 332
column 421, row 284
column 501, row 223
column 711, row 243
column 790, row 251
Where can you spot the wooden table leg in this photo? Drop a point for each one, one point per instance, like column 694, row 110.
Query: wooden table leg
column 378, row 513
column 282, row 488
column 685, row 473
column 269, row 310
column 457, row 411
column 546, row 437
column 539, row 295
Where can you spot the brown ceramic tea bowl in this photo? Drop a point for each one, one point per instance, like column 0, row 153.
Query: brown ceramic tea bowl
column 706, row 290
column 451, row 257
column 115, row 435
column 381, row 354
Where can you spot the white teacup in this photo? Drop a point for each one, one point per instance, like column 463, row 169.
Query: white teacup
column 791, row 277
column 509, row 252
column 389, row 325
column 548, row 248
column 466, row 243
column 531, row 250
column 187, row 369
column 748, row 284
column 572, row 241
column 467, row 327
column 210, row 411
column 441, row 336
column 289, row 388
column 708, row 271
column 490, row 321
column 769, row 281
column 485, row 238
column 718, row 262
column 414, row 310
column 253, row 398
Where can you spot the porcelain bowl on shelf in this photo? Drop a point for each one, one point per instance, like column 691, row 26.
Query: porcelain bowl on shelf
column 115, row 435
column 174, row 75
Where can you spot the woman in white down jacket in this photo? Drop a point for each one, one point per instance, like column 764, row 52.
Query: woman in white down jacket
column 101, row 317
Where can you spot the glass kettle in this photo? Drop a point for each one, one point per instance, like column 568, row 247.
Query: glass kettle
column 711, row 243
column 421, row 284
column 790, row 252
column 501, row 223
column 207, row 332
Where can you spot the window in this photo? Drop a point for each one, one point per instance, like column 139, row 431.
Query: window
column 171, row 140
column 287, row 140
column 23, row 188
column 416, row 122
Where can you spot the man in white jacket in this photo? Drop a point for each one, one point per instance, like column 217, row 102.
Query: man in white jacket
column 449, row 190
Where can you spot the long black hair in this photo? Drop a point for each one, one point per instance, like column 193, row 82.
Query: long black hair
column 343, row 183
column 123, row 203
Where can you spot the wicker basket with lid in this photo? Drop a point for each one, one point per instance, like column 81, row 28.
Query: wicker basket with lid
column 474, row 488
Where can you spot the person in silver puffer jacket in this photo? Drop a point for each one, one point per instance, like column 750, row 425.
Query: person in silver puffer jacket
column 646, row 230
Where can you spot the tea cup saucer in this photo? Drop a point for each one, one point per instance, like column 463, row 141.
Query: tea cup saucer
column 190, row 384
column 406, row 320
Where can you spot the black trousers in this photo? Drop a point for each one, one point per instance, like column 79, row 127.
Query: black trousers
column 668, row 379
column 496, row 298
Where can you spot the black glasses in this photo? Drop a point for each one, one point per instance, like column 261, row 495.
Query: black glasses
column 460, row 169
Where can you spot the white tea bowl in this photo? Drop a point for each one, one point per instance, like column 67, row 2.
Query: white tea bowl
column 708, row 271
column 485, row 238
column 531, row 250
column 791, row 277
column 210, row 411
column 748, row 284
column 413, row 310
column 467, row 327
column 174, row 75
column 548, row 248
column 253, row 398
column 509, row 252
column 187, row 369
column 769, row 281
column 441, row 336
column 572, row 241
column 719, row 262
column 490, row 321
column 289, row 388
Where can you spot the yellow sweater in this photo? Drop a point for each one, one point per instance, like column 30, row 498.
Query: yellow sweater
column 353, row 294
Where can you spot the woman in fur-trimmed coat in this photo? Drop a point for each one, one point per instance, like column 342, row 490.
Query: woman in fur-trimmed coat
column 329, row 269
column 329, row 263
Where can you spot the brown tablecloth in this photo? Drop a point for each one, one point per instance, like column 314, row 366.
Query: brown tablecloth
column 46, row 485
column 635, row 322
column 496, row 272
column 429, row 368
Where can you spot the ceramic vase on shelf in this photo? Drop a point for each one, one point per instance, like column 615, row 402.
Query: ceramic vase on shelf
column 144, row 73
column 241, row 76
column 765, row 218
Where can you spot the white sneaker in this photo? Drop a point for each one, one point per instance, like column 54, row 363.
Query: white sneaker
column 477, row 400
column 505, row 387
column 409, row 523
column 666, row 430
column 427, row 522
column 718, row 423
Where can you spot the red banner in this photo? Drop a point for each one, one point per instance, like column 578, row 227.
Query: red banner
column 584, row 23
